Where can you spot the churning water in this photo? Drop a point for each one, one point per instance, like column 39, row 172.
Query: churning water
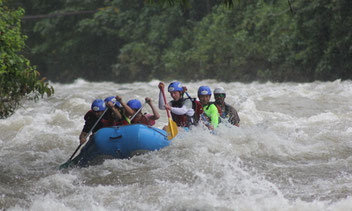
column 292, row 152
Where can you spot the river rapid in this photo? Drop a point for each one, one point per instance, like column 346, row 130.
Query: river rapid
column 292, row 151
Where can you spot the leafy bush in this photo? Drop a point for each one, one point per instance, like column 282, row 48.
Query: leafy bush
column 18, row 79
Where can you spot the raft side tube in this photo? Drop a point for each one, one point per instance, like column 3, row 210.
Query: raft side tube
column 125, row 141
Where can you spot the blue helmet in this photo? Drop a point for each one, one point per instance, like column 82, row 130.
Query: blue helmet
column 175, row 86
column 112, row 99
column 204, row 90
column 134, row 104
column 98, row 105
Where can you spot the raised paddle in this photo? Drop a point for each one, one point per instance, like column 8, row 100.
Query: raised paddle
column 172, row 126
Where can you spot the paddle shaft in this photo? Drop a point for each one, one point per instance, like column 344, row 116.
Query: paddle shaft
column 134, row 115
column 172, row 126
column 167, row 111
column 188, row 95
column 95, row 124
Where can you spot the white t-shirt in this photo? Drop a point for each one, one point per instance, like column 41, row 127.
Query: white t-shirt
column 185, row 109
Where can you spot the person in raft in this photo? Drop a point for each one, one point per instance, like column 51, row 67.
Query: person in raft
column 210, row 114
column 181, row 108
column 118, row 111
column 91, row 117
column 139, row 117
column 109, row 119
column 125, row 108
column 227, row 111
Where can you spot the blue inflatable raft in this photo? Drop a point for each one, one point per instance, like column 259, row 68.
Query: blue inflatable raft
column 127, row 141
column 119, row 142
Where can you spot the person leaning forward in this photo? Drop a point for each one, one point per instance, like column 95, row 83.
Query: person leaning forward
column 140, row 118
column 116, row 112
column 91, row 117
column 109, row 119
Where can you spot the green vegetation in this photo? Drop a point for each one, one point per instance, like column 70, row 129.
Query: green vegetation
column 124, row 41
column 18, row 79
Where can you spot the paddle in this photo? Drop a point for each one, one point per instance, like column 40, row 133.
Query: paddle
column 134, row 115
column 68, row 162
column 188, row 95
column 172, row 126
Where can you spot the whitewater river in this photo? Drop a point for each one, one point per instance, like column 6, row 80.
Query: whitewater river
column 293, row 151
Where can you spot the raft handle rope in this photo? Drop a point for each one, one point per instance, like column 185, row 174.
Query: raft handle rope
column 116, row 137
column 156, row 130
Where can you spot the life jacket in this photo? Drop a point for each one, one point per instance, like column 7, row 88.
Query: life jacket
column 106, row 120
column 181, row 120
column 89, row 115
column 198, row 109
column 90, row 120
column 207, row 107
column 217, row 106
column 121, row 122
column 231, row 116
column 124, row 121
column 144, row 120
column 225, row 113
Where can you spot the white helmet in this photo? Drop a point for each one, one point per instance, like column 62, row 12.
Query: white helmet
column 219, row 90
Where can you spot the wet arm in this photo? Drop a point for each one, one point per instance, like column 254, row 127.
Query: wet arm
column 116, row 113
column 83, row 137
column 129, row 111
column 155, row 112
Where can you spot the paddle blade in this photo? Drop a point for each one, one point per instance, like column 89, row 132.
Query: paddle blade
column 171, row 129
column 66, row 165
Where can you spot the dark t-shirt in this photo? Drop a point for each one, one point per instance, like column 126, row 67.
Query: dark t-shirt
column 90, row 119
column 231, row 114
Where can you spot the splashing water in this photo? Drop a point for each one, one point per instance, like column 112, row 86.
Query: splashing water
column 291, row 152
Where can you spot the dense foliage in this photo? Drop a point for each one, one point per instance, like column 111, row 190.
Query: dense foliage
column 18, row 79
column 301, row 40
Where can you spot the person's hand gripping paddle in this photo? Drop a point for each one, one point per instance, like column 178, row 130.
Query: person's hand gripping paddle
column 81, row 145
column 172, row 126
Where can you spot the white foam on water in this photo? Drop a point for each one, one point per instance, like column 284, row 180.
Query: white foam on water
column 292, row 151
